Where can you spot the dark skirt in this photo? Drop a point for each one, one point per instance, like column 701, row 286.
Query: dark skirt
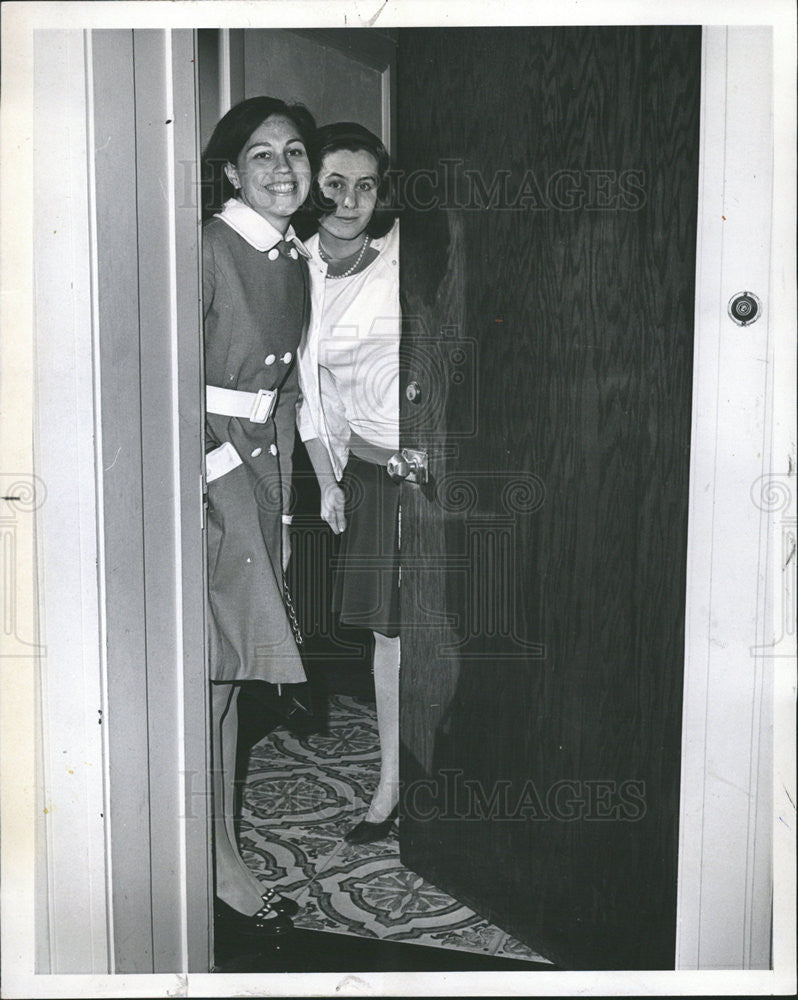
column 366, row 587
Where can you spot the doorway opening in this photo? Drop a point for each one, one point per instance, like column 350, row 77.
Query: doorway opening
column 303, row 781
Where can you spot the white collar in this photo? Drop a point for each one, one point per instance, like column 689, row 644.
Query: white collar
column 252, row 227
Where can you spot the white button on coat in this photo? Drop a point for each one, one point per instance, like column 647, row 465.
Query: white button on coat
column 274, row 253
column 287, row 358
column 273, row 449
column 256, row 452
column 293, row 254
column 269, row 360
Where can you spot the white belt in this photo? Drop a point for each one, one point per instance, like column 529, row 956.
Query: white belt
column 219, row 461
column 254, row 406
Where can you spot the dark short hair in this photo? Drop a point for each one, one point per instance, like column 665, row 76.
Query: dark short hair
column 230, row 136
column 353, row 137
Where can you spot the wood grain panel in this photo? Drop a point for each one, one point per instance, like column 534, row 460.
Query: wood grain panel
column 578, row 301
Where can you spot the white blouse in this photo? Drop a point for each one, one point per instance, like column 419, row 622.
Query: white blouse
column 349, row 359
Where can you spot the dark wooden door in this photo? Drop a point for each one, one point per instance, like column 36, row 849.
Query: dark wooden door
column 549, row 185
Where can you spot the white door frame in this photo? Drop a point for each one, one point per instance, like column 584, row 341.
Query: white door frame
column 72, row 933
column 123, row 879
column 733, row 611
column 143, row 115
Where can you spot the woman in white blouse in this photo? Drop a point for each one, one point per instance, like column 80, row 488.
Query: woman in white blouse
column 348, row 415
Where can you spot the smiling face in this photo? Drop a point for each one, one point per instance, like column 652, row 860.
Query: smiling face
column 350, row 179
column 272, row 172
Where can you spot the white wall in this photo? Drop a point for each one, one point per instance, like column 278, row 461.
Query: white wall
column 343, row 76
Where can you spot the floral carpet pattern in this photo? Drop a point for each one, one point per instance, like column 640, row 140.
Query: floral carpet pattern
column 302, row 794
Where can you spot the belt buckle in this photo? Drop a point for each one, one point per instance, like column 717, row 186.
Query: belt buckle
column 262, row 405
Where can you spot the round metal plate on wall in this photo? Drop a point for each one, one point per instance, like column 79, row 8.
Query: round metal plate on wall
column 744, row 308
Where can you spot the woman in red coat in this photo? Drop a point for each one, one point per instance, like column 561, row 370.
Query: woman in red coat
column 256, row 174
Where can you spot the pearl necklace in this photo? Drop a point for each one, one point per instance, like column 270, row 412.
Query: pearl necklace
column 350, row 270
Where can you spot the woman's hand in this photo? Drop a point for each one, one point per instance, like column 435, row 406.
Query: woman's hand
column 286, row 546
column 332, row 496
column 332, row 507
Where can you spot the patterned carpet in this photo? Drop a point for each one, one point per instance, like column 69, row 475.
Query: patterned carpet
column 302, row 794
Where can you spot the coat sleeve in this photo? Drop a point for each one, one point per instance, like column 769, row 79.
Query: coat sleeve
column 208, row 276
column 208, row 294
column 285, row 425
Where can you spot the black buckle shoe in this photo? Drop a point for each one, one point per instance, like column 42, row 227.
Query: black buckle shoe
column 282, row 905
column 265, row 925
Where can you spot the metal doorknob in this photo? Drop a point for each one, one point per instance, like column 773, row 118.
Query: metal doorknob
column 744, row 308
column 408, row 465
column 413, row 392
